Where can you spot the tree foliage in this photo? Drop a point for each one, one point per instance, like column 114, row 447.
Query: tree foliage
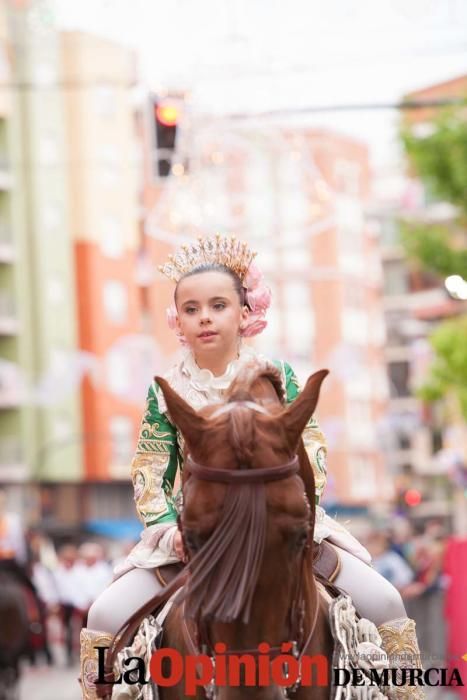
column 440, row 160
column 449, row 369
column 440, row 157
column 431, row 246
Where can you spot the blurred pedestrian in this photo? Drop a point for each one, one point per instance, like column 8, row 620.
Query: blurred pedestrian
column 392, row 565
column 428, row 553
column 71, row 597
column 13, row 564
column 12, row 538
column 94, row 571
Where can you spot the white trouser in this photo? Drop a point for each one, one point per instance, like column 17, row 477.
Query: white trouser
column 373, row 596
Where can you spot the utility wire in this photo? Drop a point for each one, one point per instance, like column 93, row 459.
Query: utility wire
column 357, row 107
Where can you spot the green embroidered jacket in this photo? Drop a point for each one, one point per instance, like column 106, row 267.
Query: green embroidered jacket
column 158, row 456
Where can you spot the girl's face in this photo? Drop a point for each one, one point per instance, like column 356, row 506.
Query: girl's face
column 209, row 313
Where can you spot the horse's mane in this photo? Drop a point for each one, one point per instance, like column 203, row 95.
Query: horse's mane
column 224, row 573
column 242, row 429
column 240, row 389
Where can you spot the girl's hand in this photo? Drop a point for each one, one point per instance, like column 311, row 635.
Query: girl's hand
column 178, row 546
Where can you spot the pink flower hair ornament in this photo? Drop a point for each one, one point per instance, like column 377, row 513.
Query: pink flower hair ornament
column 258, row 299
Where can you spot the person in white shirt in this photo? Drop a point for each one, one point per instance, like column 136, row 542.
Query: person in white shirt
column 72, row 599
column 94, row 571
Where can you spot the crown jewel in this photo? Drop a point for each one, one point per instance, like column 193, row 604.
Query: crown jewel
column 220, row 250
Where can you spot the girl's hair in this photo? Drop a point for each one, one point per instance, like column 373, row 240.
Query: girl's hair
column 217, row 267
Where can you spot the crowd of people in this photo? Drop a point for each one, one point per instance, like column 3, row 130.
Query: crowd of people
column 67, row 586
column 68, row 578
column 59, row 584
column 411, row 559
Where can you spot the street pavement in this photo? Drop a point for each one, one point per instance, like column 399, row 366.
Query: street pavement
column 50, row 683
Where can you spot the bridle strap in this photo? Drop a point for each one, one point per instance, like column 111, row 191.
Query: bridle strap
column 242, row 475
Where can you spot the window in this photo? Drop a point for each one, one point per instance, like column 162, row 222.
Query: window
column 300, row 331
column 52, row 217
column 347, row 176
column 109, row 165
column 259, row 207
column 362, row 478
column 115, row 301
column 360, row 428
column 55, row 290
column 112, row 244
column 294, row 210
column 389, row 233
column 399, row 373
column 297, row 295
column 48, row 149
column 62, row 428
column 121, row 437
column 118, row 374
column 395, row 277
column 355, row 326
column 296, row 260
column 354, row 294
column 105, row 101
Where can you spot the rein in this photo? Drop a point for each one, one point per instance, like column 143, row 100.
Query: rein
column 299, row 644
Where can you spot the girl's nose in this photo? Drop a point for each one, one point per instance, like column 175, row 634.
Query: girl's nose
column 205, row 317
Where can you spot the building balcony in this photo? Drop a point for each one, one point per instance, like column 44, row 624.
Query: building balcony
column 417, row 302
column 7, row 250
column 6, row 176
column 12, row 463
column 404, row 404
column 9, row 324
column 11, row 386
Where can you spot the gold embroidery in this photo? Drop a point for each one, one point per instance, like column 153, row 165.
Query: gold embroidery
column 401, row 645
column 89, row 660
column 315, row 446
column 147, row 473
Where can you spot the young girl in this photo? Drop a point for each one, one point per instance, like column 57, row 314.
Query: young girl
column 220, row 298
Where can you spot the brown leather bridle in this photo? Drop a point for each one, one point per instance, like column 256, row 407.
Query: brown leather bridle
column 241, row 475
column 198, row 641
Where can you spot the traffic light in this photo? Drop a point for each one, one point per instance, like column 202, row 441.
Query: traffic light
column 412, row 497
column 166, row 114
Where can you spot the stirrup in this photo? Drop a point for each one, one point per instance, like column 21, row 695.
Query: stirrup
column 401, row 645
column 89, row 659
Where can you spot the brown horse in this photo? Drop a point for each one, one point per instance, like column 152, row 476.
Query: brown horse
column 247, row 525
column 14, row 632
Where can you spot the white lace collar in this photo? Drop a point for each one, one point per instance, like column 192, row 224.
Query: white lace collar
column 199, row 387
column 205, row 380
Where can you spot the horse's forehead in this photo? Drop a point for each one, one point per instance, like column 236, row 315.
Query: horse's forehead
column 228, row 407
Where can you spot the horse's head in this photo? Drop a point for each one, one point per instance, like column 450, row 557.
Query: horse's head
column 246, row 521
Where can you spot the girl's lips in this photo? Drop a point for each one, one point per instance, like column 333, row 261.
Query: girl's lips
column 208, row 334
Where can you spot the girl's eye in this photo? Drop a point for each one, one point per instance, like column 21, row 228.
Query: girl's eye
column 219, row 305
column 190, row 309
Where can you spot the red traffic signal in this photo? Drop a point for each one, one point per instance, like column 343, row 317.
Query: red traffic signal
column 167, row 114
column 412, row 497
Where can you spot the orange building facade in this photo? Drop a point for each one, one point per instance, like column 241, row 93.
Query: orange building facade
column 104, row 190
column 299, row 197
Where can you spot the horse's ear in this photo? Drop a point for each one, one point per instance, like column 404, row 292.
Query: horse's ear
column 297, row 415
column 188, row 421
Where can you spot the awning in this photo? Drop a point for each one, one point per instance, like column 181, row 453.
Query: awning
column 115, row 529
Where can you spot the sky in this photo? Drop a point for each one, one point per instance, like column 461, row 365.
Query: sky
column 251, row 56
